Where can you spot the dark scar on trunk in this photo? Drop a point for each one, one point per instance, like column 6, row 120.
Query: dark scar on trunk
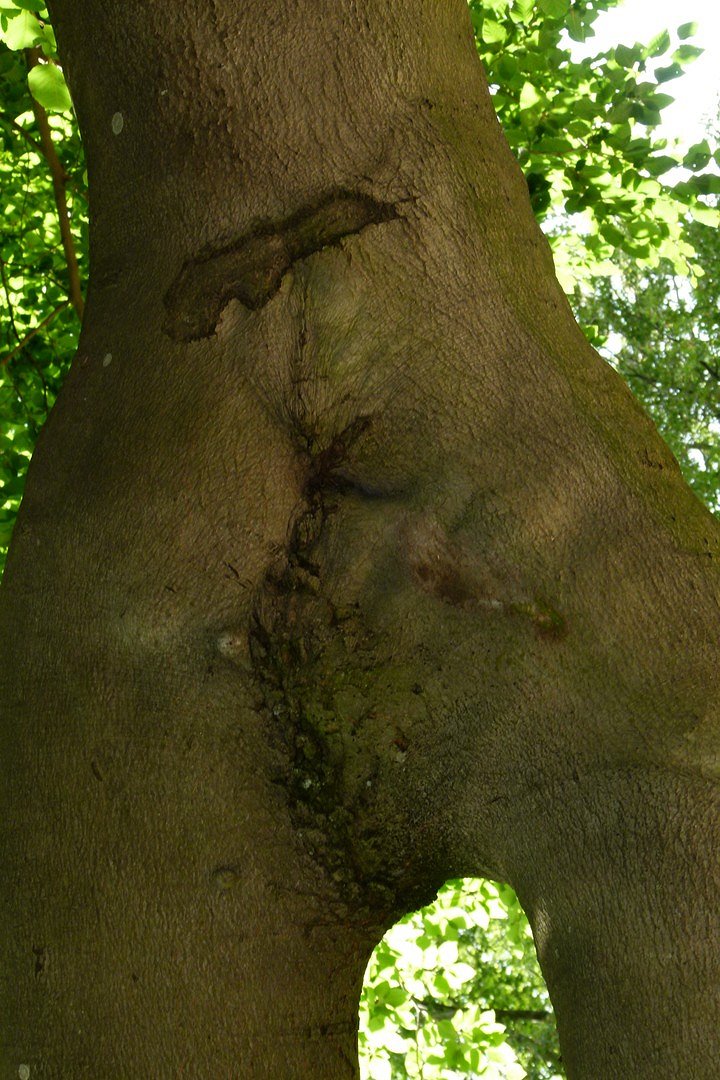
column 251, row 269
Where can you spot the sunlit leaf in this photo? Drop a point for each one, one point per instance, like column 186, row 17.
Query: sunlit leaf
column 529, row 97
column 659, row 44
column 22, row 31
column 687, row 30
column 555, row 9
column 685, row 53
column 48, row 86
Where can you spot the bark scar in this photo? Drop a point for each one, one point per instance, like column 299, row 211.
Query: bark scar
column 474, row 583
column 251, row 269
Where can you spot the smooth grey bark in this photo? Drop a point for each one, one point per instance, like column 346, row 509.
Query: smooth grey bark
column 345, row 566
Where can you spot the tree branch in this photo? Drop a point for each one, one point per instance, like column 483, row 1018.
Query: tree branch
column 6, row 289
column 501, row 1015
column 25, row 134
column 59, row 180
column 710, row 369
column 36, row 330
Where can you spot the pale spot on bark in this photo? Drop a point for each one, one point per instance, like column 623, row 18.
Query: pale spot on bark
column 117, row 123
column 232, row 644
column 107, row 360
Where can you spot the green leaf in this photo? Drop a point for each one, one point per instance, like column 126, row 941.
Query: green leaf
column 29, row 5
column 476, row 17
column 507, row 67
column 554, row 9
column 664, row 74
column 48, row 87
column 685, row 53
column 698, row 156
column 627, row 57
column 553, row 144
column 688, row 29
column 656, row 166
column 659, row 101
column 493, row 32
column 707, row 184
column 529, row 97
column 46, row 38
column 522, row 10
column 706, row 215
column 620, row 112
column 395, row 996
column 576, row 28
column 22, row 31
column 659, row 44
column 645, row 115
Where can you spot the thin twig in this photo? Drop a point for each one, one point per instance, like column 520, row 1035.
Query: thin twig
column 6, row 288
column 36, row 330
column 59, row 180
column 710, row 369
column 26, row 135
column 522, row 1014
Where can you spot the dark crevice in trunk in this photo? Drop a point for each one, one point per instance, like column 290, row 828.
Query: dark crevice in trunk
column 295, row 627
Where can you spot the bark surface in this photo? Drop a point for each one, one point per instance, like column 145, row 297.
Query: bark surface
column 345, row 566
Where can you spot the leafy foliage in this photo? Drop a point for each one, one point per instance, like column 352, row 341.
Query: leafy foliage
column 664, row 338
column 455, row 990
column 38, row 329
column 583, row 130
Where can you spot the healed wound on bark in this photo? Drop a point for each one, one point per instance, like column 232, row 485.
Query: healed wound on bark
column 251, row 269
column 442, row 569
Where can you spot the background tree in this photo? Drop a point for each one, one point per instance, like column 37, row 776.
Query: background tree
column 661, row 331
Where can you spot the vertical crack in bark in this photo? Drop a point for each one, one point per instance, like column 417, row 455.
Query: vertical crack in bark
column 306, row 652
column 252, row 268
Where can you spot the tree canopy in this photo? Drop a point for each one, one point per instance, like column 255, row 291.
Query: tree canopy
column 635, row 242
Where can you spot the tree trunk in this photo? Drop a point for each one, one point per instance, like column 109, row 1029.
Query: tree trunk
column 345, row 566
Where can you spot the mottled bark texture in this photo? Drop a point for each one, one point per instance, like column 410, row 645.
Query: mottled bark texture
column 345, row 566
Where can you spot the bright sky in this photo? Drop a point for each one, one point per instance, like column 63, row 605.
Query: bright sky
column 696, row 91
